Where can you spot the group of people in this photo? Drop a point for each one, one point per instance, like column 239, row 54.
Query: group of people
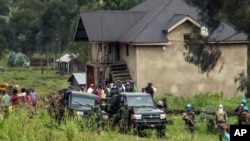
column 104, row 89
column 221, row 119
column 12, row 99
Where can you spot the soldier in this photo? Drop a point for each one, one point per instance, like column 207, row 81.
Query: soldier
column 245, row 116
column 239, row 109
column 189, row 117
column 220, row 121
column 123, row 115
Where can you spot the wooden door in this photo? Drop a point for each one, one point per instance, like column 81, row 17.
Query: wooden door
column 90, row 76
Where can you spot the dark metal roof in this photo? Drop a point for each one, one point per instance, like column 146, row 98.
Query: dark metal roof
column 226, row 32
column 150, row 27
column 145, row 23
column 108, row 25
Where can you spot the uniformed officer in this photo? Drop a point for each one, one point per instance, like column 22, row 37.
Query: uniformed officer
column 189, row 117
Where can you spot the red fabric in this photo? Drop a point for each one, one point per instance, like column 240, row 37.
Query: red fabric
column 28, row 99
column 14, row 100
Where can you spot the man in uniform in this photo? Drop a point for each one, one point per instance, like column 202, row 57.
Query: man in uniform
column 220, row 121
column 189, row 117
column 239, row 109
column 123, row 116
column 245, row 116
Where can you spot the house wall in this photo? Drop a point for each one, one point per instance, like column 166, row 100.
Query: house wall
column 169, row 72
column 130, row 60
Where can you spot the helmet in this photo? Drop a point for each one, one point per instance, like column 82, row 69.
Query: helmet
column 245, row 108
column 244, row 101
column 189, row 106
column 220, row 106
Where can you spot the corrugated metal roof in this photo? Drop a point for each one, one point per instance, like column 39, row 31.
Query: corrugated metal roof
column 66, row 58
column 79, row 77
column 108, row 25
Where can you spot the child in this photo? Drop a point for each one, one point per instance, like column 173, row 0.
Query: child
column 226, row 134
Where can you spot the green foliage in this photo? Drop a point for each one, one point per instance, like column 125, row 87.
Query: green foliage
column 204, row 56
column 4, row 9
column 119, row 5
column 17, row 60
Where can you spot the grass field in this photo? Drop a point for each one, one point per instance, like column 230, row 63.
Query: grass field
column 20, row 128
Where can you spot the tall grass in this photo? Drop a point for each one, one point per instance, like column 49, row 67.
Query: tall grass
column 44, row 83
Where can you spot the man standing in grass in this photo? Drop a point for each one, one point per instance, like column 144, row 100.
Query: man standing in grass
column 5, row 103
column 220, row 121
column 189, row 117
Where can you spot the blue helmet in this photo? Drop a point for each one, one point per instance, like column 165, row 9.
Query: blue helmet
column 189, row 105
column 245, row 108
column 244, row 101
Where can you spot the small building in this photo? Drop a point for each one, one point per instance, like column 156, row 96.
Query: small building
column 77, row 80
column 66, row 63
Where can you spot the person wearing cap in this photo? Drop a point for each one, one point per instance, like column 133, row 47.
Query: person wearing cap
column 239, row 109
column 245, row 116
column 189, row 118
column 220, row 121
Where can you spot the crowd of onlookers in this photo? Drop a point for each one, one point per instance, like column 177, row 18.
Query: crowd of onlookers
column 13, row 98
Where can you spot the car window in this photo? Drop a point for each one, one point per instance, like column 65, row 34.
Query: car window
column 140, row 101
column 75, row 101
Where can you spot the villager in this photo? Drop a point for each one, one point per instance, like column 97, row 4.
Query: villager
column 220, row 121
column 5, row 103
column 128, row 86
column 189, row 117
column 14, row 99
column 91, row 89
column 34, row 98
column 239, row 109
column 134, row 88
column 149, row 89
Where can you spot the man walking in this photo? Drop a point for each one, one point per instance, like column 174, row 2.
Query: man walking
column 189, row 117
column 220, row 121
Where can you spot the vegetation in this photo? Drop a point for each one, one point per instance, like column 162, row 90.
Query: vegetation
column 19, row 127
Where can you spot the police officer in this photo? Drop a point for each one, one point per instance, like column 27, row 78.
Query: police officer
column 245, row 116
column 239, row 109
column 189, row 117
column 220, row 121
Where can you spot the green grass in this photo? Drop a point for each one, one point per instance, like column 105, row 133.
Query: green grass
column 18, row 127
column 44, row 83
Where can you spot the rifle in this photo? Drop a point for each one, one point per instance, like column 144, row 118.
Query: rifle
column 187, row 117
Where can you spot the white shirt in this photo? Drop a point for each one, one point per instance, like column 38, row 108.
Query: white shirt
column 5, row 100
column 90, row 90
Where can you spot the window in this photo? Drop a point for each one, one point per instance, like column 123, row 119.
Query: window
column 187, row 37
column 127, row 50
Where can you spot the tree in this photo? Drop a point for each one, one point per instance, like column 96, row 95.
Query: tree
column 237, row 13
column 5, row 36
column 4, row 9
column 119, row 4
column 56, row 28
column 24, row 24
column 204, row 56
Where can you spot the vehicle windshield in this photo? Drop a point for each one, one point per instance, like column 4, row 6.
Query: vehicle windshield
column 140, row 101
column 82, row 101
